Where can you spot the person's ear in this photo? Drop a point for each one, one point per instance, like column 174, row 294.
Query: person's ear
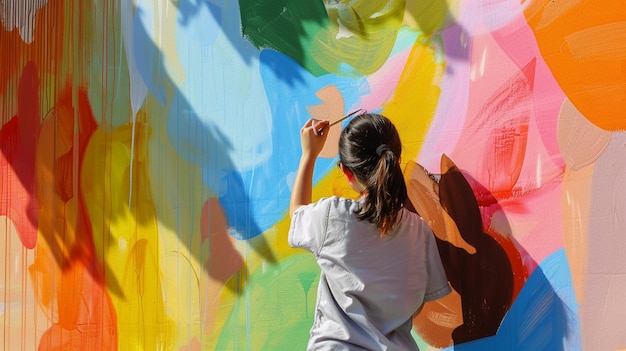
column 347, row 173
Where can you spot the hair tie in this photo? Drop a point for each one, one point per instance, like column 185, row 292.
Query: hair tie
column 382, row 148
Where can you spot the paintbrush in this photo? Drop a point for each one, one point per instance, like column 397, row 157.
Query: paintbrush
column 338, row 121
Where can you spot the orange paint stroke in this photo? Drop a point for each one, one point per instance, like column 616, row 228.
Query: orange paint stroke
column 423, row 192
column 65, row 273
column 584, row 44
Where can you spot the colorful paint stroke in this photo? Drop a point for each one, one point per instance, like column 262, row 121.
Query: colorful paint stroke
column 148, row 148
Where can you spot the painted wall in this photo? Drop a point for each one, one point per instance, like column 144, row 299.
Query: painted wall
column 148, row 149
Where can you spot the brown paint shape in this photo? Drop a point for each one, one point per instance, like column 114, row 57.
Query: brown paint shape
column 484, row 280
column 485, row 269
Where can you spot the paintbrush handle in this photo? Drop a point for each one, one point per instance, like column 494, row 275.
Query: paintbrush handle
column 343, row 118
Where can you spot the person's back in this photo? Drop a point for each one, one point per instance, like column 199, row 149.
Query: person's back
column 379, row 261
column 370, row 285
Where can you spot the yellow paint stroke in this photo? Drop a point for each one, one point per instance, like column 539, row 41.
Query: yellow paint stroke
column 179, row 193
column 126, row 238
column 413, row 105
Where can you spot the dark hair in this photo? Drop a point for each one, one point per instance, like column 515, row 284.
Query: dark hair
column 370, row 148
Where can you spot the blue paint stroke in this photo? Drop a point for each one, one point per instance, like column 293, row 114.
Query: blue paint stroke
column 268, row 187
column 544, row 315
column 237, row 115
column 219, row 118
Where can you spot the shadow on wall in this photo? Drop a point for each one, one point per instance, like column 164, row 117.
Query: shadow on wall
column 486, row 271
column 205, row 146
column 284, row 25
column 436, row 20
column 47, row 188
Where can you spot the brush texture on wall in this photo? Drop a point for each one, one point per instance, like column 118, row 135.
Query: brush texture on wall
column 148, row 149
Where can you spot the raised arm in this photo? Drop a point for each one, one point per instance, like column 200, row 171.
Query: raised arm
column 312, row 139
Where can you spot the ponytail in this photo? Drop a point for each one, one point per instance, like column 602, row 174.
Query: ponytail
column 370, row 148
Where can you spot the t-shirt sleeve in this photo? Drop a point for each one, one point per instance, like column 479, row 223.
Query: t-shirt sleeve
column 438, row 286
column 308, row 226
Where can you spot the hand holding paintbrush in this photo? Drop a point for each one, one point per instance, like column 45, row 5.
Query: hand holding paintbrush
column 320, row 131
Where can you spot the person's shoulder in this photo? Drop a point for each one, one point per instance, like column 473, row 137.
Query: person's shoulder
column 336, row 206
column 330, row 202
column 343, row 203
column 415, row 220
column 410, row 215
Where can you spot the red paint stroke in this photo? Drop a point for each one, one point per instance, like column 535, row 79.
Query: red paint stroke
column 497, row 136
column 500, row 127
column 18, row 139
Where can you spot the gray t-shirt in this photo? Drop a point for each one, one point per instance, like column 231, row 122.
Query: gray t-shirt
column 370, row 286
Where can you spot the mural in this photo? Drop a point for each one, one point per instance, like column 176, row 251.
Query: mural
column 148, row 149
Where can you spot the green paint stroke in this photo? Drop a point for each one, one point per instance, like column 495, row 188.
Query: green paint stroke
column 361, row 36
column 280, row 313
column 287, row 26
